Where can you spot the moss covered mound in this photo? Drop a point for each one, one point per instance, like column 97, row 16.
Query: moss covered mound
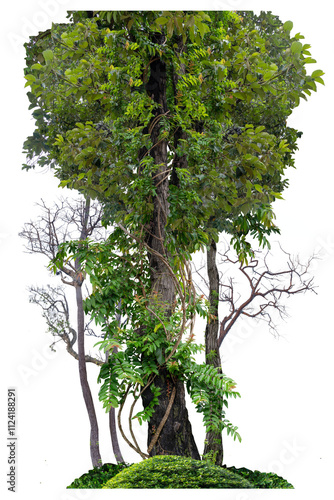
column 167, row 471
column 96, row 477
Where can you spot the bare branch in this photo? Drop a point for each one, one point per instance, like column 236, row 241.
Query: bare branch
column 56, row 312
column 266, row 288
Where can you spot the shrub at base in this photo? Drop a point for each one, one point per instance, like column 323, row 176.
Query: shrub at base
column 268, row 480
column 167, row 471
column 97, row 476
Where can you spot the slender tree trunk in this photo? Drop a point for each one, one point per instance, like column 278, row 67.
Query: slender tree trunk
column 112, row 412
column 176, row 436
column 94, row 429
column 213, row 439
column 114, row 437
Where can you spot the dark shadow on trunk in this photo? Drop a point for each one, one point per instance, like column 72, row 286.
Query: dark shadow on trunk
column 176, row 437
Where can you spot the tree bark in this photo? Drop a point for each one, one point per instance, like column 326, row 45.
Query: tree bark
column 213, row 439
column 112, row 412
column 94, row 429
column 176, row 436
column 114, row 437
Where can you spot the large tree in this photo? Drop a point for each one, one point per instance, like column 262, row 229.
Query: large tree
column 145, row 111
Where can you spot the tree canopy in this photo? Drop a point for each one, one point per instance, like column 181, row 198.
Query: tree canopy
column 176, row 122
column 231, row 83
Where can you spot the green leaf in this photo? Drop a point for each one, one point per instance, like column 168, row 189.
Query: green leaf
column 203, row 28
column 287, row 26
column 309, row 60
column 296, row 47
column 37, row 66
column 319, row 80
column 317, row 72
column 239, row 95
column 30, row 78
column 159, row 356
column 161, row 20
column 48, row 55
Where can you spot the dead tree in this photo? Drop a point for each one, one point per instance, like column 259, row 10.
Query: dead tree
column 69, row 220
column 266, row 289
column 260, row 294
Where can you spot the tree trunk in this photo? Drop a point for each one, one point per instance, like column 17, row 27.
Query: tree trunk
column 213, row 439
column 94, row 429
column 114, row 437
column 176, row 436
column 112, row 413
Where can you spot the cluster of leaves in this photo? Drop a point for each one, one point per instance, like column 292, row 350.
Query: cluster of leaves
column 262, row 479
column 96, row 477
column 93, row 111
column 97, row 122
column 207, row 387
column 167, row 471
column 147, row 339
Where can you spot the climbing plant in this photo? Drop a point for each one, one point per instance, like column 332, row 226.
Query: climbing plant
column 147, row 112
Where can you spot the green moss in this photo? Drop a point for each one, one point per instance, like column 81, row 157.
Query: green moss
column 177, row 472
column 96, row 477
column 166, row 471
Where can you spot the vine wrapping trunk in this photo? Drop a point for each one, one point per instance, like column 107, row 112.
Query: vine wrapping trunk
column 176, row 436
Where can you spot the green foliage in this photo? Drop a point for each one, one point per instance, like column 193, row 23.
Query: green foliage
column 88, row 84
column 96, row 477
column 231, row 82
column 262, row 479
column 167, row 471
column 101, row 477
column 118, row 289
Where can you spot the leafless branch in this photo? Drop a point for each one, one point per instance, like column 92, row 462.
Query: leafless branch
column 56, row 312
column 261, row 289
column 62, row 222
column 266, row 288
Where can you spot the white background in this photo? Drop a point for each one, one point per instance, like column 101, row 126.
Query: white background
column 285, row 414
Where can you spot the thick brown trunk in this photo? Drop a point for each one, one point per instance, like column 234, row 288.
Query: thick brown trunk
column 213, row 439
column 175, row 437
